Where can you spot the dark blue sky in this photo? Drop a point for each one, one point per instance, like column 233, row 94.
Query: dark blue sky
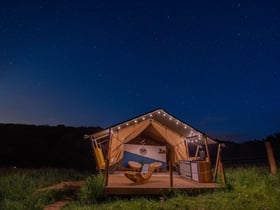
column 213, row 64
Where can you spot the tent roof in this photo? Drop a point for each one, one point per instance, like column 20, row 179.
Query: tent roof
column 169, row 121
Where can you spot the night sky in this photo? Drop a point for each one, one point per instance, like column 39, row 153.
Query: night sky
column 213, row 64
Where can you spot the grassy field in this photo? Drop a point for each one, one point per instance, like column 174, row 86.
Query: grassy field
column 247, row 188
column 18, row 187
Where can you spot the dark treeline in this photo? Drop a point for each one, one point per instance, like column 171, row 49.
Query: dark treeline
column 45, row 146
column 250, row 152
column 64, row 147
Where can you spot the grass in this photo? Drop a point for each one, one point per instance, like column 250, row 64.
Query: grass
column 18, row 186
column 247, row 188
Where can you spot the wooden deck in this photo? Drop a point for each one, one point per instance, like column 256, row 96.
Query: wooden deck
column 159, row 183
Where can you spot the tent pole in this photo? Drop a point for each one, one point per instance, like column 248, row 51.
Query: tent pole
column 108, row 159
column 93, row 151
column 207, row 149
column 187, row 149
column 222, row 171
column 170, row 167
column 196, row 152
column 219, row 167
column 217, row 162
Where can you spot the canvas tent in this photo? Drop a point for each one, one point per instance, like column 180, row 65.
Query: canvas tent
column 160, row 128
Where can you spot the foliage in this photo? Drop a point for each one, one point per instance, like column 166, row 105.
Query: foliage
column 18, row 187
column 93, row 190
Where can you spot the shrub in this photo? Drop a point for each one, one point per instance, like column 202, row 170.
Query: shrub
column 93, row 190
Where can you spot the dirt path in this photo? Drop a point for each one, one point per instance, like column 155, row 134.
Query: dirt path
column 56, row 206
column 73, row 186
column 64, row 185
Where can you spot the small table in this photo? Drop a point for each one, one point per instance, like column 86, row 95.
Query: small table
column 134, row 165
column 156, row 166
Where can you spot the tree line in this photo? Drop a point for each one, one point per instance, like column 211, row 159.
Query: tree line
column 45, row 146
column 64, row 147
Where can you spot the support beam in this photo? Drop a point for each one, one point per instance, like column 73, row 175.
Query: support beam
column 108, row 159
column 219, row 168
column 171, row 167
column 218, row 160
column 196, row 152
column 207, row 149
column 222, row 171
column 187, row 150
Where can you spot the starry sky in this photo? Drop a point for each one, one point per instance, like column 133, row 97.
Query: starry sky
column 213, row 64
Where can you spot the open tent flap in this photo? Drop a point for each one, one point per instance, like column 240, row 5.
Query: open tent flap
column 174, row 140
column 125, row 135
column 122, row 136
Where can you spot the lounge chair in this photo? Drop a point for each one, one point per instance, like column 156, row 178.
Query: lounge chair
column 141, row 177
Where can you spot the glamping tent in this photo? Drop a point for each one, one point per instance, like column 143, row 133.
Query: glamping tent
column 156, row 136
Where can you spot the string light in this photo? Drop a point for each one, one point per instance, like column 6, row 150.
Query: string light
column 193, row 135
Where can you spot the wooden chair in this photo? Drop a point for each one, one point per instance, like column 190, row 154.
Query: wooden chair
column 141, row 177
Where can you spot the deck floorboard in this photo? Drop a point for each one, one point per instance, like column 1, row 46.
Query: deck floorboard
column 158, row 183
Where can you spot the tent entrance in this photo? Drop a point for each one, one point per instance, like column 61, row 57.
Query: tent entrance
column 145, row 154
column 148, row 146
